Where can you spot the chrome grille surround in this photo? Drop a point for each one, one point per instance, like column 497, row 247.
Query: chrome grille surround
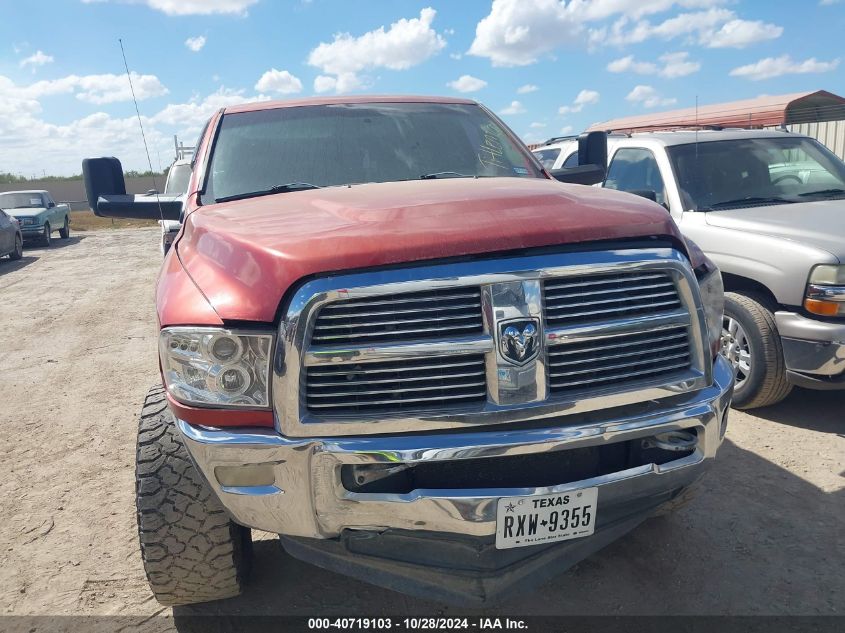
column 513, row 392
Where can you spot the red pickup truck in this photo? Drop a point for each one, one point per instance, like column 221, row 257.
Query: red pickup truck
column 388, row 335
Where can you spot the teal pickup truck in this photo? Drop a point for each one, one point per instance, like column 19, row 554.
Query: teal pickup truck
column 37, row 213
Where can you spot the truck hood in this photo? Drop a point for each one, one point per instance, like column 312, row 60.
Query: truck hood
column 819, row 224
column 244, row 255
column 28, row 212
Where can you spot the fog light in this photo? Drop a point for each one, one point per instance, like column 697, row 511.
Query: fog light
column 246, row 475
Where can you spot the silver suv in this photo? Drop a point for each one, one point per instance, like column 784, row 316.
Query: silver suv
column 768, row 207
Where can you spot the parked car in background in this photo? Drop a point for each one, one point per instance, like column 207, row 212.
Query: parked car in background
column 393, row 340
column 178, row 178
column 38, row 214
column 769, row 208
column 11, row 240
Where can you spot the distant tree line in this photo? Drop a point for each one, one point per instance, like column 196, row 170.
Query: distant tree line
column 7, row 178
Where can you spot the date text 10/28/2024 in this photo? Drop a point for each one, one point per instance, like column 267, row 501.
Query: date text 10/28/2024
column 417, row 624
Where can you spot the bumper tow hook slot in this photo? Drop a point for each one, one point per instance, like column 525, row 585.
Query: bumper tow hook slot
column 679, row 441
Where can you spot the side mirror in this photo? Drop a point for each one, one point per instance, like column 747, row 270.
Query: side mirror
column 592, row 161
column 648, row 194
column 105, row 189
column 50, row 205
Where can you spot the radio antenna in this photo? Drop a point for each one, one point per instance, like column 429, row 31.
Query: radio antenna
column 141, row 125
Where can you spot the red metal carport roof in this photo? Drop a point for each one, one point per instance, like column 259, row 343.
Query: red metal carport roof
column 799, row 107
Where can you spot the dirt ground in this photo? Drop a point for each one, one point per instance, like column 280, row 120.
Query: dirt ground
column 78, row 352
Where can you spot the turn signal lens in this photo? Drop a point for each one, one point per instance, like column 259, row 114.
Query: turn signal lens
column 824, row 308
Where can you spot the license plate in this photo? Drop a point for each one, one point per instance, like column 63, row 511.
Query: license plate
column 523, row 521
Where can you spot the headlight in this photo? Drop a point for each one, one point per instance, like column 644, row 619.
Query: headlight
column 713, row 300
column 217, row 367
column 826, row 291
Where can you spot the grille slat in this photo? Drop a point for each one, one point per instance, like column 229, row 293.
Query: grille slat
column 340, row 383
column 378, row 368
column 417, row 403
column 574, row 295
column 332, row 315
column 411, row 297
column 666, row 348
column 641, row 373
column 639, row 356
column 397, row 385
column 633, row 363
column 600, row 296
column 553, row 284
column 403, row 317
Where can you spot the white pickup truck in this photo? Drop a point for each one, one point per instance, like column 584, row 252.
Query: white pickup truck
column 768, row 207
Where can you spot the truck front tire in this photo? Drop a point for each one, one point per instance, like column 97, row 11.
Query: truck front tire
column 762, row 379
column 192, row 551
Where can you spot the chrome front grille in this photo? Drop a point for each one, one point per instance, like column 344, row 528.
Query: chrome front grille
column 578, row 300
column 408, row 316
column 464, row 344
column 618, row 359
column 395, row 385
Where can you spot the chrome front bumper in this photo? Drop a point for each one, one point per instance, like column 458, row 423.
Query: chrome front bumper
column 307, row 498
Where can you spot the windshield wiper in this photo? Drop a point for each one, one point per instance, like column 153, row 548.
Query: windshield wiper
column 823, row 192
column 750, row 201
column 290, row 186
column 446, row 174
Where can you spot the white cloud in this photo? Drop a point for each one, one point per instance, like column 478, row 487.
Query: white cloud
column 527, row 88
column 742, row 33
column 602, row 9
column 714, row 28
column 36, row 144
column 537, row 125
column 280, row 81
column 649, row 97
column 678, row 65
column 38, row 58
column 673, row 65
column 195, row 44
column 196, row 111
column 195, row 7
column 455, row 55
column 783, row 65
column 98, row 89
column 407, row 43
column 519, row 32
column 514, row 108
column 343, row 83
column 630, row 65
column 566, row 129
column 467, row 83
column 584, row 98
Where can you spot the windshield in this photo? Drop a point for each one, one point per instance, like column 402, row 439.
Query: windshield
column 755, row 172
column 177, row 179
column 21, row 201
column 342, row 144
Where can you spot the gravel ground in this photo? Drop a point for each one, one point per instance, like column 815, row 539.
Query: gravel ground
column 77, row 355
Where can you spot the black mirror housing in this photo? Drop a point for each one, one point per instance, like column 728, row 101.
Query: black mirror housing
column 105, row 189
column 592, row 161
column 648, row 194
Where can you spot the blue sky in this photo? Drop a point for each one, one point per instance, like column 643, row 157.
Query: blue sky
column 547, row 66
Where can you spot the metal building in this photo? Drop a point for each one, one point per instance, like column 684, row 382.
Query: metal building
column 819, row 114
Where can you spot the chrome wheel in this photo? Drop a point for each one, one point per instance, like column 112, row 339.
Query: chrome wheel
column 737, row 349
